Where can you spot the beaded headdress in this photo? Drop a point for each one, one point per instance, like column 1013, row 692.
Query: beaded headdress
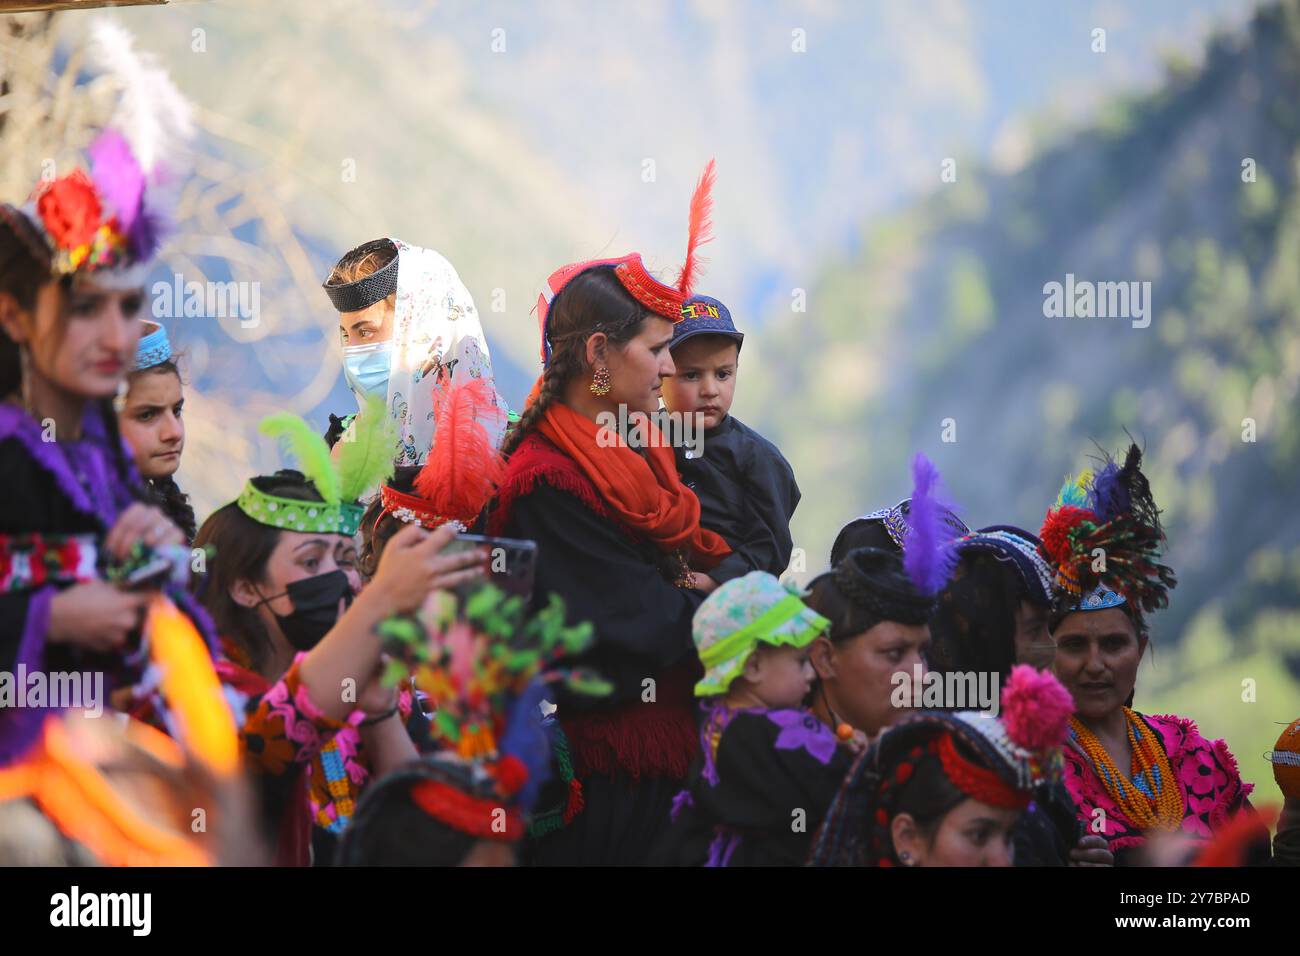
column 154, row 349
column 1104, row 532
column 667, row 301
column 1019, row 549
column 999, row 760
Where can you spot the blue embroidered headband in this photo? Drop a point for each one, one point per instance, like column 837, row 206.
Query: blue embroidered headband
column 154, row 349
column 1099, row 599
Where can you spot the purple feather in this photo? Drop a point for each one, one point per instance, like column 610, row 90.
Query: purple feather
column 928, row 555
column 1109, row 494
column 147, row 232
column 118, row 177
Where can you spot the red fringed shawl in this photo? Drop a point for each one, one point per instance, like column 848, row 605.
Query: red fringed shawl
column 638, row 740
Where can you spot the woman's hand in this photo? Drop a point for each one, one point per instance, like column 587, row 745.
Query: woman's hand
column 375, row 698
column 413, row 565
column 96, row 615
column 1091, row 850
column 702, row 582
column 141, row 523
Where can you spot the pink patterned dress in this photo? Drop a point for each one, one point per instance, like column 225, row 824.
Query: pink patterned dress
column 1212, row 789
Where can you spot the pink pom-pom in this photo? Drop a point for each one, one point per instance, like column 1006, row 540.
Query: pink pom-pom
column 1036, row 709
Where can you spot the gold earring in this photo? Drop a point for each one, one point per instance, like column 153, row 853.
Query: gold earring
column 601, row 382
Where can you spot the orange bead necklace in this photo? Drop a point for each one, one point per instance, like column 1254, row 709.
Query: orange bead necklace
column 1149, row 795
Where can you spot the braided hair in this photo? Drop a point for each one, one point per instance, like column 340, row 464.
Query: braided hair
column 593, row 301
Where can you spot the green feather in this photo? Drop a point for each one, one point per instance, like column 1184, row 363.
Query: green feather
column 366, row 450
column 308, row 449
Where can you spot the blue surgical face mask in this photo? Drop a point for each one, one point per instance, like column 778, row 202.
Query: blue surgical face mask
column 365, row 367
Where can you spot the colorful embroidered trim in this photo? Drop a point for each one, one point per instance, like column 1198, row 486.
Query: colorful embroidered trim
column 154, row 349
column 33, row 560
column 335, row 815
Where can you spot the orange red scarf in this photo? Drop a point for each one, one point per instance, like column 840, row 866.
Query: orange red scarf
column 645, row 493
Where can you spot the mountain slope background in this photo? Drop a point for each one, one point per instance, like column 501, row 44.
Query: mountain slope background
column 939, row 320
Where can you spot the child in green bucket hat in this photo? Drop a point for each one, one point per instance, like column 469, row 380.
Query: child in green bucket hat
column 767, row 768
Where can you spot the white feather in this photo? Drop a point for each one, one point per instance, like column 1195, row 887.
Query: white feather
column 151, row 114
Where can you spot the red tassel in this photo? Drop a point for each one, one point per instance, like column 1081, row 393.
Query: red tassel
column 574, row 805
column 463, row 467
column 700, row 230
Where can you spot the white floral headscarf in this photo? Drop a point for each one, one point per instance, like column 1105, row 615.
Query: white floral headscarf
column 435, row 329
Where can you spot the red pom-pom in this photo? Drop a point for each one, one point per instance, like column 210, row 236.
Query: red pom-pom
column 70, row 209
column 1055, row 532
column 511, row 775
column 1036, row 709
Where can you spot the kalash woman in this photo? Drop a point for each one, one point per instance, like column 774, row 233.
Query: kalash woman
column 151, row 423
column 879, row 601
column 619, row 539
column 72, row 264
column 1132, row 774
column 406, row 321
column 993, row 615
column 302, row 656
column 945, row 788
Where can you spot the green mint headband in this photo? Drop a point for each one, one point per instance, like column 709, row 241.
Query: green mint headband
column 294, row 514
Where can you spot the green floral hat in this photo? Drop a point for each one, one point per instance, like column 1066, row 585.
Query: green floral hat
column 740, row 615
column 364, row 460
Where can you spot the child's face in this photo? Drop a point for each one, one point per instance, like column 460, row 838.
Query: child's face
column 781, row 676
column 705, row 380
column 152, row 425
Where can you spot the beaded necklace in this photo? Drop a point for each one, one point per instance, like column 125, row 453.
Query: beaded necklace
column 1150, row 796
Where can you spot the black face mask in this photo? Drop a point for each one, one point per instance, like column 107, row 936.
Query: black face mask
column 315, row 603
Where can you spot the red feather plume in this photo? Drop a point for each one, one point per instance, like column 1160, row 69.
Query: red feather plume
column 701, row 228
column 464, row 467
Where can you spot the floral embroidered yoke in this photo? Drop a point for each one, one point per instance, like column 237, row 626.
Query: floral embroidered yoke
column 1205, row 771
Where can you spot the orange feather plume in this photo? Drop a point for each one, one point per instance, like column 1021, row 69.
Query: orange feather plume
column 701, row 229
column 192, row 688
column 464, row 466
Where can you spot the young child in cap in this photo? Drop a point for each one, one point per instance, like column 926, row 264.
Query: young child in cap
column 767, row 769
column 746, row 487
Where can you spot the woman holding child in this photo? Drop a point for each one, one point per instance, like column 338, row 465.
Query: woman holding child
column 620, row 540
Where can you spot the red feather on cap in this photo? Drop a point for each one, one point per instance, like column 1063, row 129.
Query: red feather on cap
column 701, row 228
column 464, row 467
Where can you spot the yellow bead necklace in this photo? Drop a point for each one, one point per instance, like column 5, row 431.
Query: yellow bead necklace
column 1149, row 795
